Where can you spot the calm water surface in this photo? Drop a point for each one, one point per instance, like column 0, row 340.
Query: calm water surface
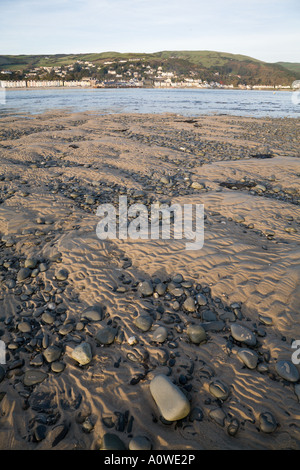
column 185, row 102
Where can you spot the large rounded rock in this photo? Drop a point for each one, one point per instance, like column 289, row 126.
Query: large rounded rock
column 82, row 353
column 287, row 370
column 23, row 274
column 170, row 400
column 160, row 334
column 140, row 443
column 243, row 334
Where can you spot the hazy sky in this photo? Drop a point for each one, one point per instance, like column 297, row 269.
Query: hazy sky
column 265, row 29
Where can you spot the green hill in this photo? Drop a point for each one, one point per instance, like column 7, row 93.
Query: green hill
column 228, row 68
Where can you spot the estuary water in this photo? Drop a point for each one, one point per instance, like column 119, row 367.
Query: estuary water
column 187, row 102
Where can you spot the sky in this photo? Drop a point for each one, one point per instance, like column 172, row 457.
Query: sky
column 268, row 30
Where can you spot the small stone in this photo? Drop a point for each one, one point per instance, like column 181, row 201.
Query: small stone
column 24, row 327
column 33, row 377
column 243, row 334
column 82, row 353
column 249, row 358
column 218, row 416
column 112, row 442
column 52, row 353
column 145, row 288
column 189, row 305
column 196, row 334
column 66, row 329
column 267, row 422
column 57, row 366
column 196, row 185
column 140, row 443
column 160, row 334
column 93, row 313
column 219, row 390
column 265, row 319
column 106, row 335
column 233, row 427
column 170, row 400
column 48, row 318
column 23, row 274
column 143, row 322
column 30, row 263
column 62, row 275
column 201, row 299
column 287, row 370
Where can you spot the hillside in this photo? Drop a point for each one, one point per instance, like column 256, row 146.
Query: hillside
column 228, row 68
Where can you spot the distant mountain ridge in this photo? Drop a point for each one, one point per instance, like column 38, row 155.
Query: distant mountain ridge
column 227, row 67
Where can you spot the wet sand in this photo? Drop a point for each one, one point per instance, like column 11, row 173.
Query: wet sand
column 56, row 168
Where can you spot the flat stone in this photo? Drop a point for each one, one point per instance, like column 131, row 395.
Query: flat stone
column 93, row 313
column 249, row 358
column 33, row 377
column 243, row 334
column 48, row 318
column 112, row 442
column 140, row 443
column 197, row 185
column 170, row 400
column 287, row 370
column 52, row 353
column 219, row 390
column 196, row 334
column 82, row 353
column 106, row 335
column 143, row 322
column 160, row 334
column 265, row 319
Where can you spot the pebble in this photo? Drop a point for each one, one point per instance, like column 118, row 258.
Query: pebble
column 66, row 329
column 106, row 335
column 140, row 443
column 196, row 334
column 33, row 377
column 287, row 370
column 267, row 422
column 145, row 288
column 23, row 274
column 93, row 313
column 48, row 318
column 189, row 305
column 52, row 353
column 219, row 390
column 249, row 358
column 233, row 427
column 30, row 263
column 57, row 366
column 82, row 353
column 201, row 299
column 112, row 442
column 143, row 322
column 218, row 415
column 243, row 334
column 160, row 334
column 170, row 400
column 62, row 275
column 24, row 327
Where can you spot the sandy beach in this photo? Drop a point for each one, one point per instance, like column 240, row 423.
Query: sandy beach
column 62, row 286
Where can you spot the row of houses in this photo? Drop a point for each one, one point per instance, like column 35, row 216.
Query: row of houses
column 43, row 83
